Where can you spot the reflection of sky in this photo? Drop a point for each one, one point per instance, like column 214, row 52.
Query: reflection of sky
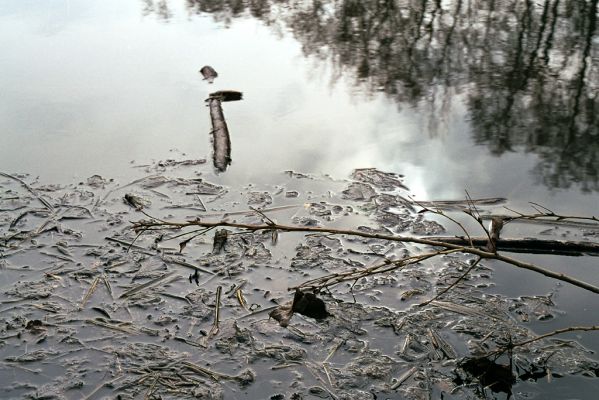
column 89, row 86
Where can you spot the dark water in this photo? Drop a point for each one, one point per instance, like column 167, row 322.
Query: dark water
column 496, row 97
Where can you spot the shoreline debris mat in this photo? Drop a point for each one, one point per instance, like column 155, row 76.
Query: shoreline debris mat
column 90, row 308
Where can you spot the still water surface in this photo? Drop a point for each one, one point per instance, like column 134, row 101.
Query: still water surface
column 499, row 98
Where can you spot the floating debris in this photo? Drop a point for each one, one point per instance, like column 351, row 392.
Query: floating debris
column 304, row 303
column 220, row 240
column 208, row 73
column 226, row 95
column 176, row 163
column 384, row 181
column 358, row 191
column 491, row 374
column 136, row 202
column 221, row 141
column 96, row 181
column 114, row 308
column 195, row 277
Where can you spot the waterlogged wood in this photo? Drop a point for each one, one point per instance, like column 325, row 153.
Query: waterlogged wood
column 221, row 142
column 227, row 95
column 333, row 279
column 208, row 73
column 89, row 293
column 530, row 246
column 146, row 285
column 404, row 377
column 460, row 204
column 582, row 223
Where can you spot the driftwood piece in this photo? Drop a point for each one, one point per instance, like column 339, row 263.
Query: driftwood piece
column 453, row 205
column 336, row 278
column 221, row 142
column 227, row 95
column 208, row 73
column 545, row 221
column 527, row 245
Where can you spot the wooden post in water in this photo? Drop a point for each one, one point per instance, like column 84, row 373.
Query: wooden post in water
column 221, row 142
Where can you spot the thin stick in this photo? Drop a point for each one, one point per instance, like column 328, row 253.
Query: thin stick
column 150, row 391
column 502, row 350
column 108, row 286
column 215, row 327
column 90, row 291
column 404, row 239
column 30, row 190
column 198, row 231
column 441, row 213
column 477, row 218
column 145, row 285
column 557, row 332
column 241, row 299
column 100, row 386
column 124, row 243
column 333, row 350
column 404, row 377
column 264, row 216
column 329, row 280
column 447, row 289
column 185, row 264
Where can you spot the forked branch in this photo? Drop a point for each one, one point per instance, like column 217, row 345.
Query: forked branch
column 329, row 280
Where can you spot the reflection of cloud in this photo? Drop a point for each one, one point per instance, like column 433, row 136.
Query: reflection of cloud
column 47, row 18
column 530, row 91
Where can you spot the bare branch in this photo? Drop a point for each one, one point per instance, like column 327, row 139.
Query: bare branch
column 441, row 213
column 447, row 289
column 144, row 225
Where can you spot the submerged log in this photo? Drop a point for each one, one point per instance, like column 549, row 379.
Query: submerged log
column 531, row 246
column 221, row 142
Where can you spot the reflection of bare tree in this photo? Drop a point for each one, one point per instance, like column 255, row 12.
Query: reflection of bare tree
column 529, row 70
column 159, row 7
column 544, row 95
column 225, row 10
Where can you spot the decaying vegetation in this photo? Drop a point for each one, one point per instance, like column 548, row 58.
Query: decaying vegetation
column 205, row 294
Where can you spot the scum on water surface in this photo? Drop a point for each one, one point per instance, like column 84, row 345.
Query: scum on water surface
column 90, row 310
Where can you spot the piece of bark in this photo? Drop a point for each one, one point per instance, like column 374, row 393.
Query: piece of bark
column 227, row 95
column 221, row 142
column 531, row 246
column 208, row 73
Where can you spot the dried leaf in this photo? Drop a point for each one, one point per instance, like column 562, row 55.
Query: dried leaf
column 282, row 314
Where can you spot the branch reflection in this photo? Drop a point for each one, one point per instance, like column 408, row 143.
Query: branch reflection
column 528, row 70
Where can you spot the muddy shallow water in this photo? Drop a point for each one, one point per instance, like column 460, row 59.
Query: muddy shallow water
column 92, row 309
column 498, row 100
